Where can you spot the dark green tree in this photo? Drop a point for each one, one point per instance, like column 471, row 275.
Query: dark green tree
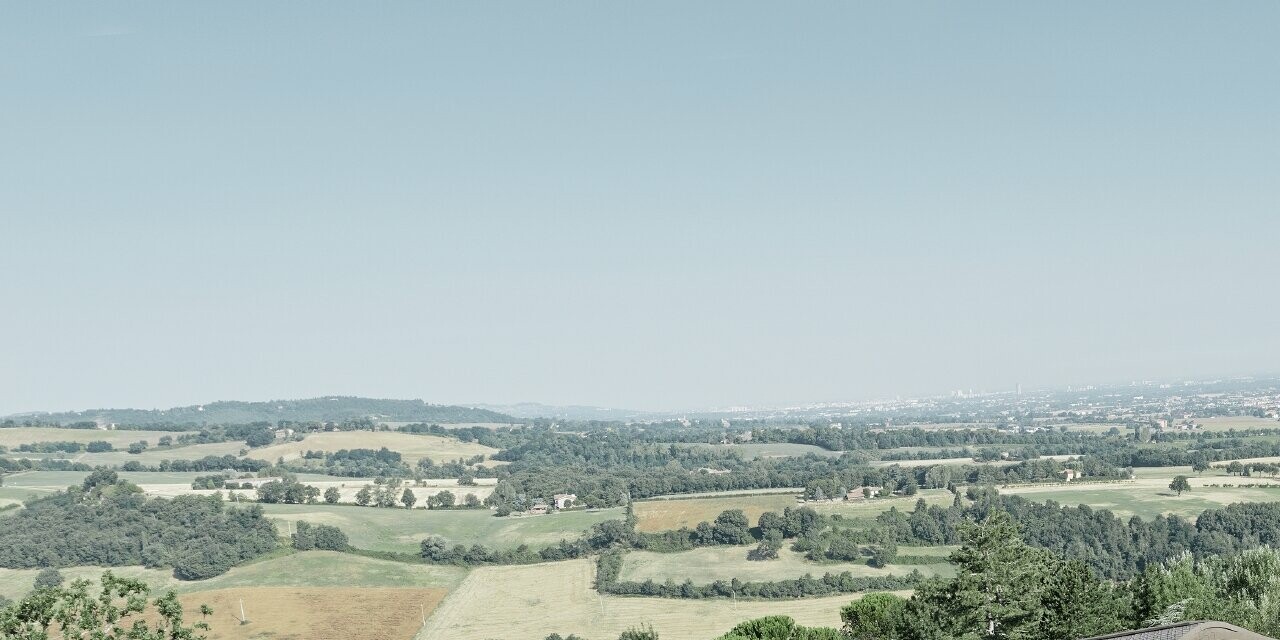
column 876, row 616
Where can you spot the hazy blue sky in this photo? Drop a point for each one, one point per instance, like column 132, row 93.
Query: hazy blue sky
column 652, row 205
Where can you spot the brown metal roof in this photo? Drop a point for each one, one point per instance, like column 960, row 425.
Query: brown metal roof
column 1195, row 630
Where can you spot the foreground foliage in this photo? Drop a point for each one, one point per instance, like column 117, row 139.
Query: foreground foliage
column 115, row 613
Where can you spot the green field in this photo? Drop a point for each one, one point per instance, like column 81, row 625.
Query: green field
column 304, row 569
column 708, row 564
column 403, row 530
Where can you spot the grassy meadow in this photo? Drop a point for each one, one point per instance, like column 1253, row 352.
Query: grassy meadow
column 403, row 530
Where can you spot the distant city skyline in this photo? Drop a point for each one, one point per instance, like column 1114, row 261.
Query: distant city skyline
column 658, row 206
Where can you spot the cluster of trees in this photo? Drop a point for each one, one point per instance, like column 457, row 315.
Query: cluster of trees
column 779, row 628
column 108, row 522
column 12, row 465
column 1114, row 547
column 354, row 463
column 1005, row 588
column 207, row 463
column 62, row 447
column 309, row 536
column 863, row 438
column 216, row 481
column 459, row 468
column 609, row 566
column 288, row 490
column 731, row 527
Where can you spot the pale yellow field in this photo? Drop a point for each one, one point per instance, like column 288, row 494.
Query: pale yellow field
column 411, row 446
column 302, row 613
column 30, row 435
column 532, row 601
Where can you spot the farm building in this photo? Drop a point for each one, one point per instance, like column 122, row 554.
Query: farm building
column 862, row 493
column 1070, row 474
column 564, row 500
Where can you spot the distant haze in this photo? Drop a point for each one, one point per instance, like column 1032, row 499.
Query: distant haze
column 647, row 206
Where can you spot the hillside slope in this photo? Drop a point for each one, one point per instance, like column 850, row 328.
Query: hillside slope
column 335, row 408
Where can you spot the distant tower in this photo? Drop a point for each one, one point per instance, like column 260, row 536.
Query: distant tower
column 1019, row 388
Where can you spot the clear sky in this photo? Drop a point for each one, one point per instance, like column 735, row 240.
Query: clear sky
column 651, row 205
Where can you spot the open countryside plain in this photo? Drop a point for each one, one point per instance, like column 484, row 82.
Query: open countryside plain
column 563, row 590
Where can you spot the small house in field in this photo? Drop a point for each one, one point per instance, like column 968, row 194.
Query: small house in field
column 564, row 500
column 1070, row 474
column 539, row 509
column 862, row 493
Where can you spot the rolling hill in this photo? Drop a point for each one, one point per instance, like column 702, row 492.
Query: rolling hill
column 335, row 408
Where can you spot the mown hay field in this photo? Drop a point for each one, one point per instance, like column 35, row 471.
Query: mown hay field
column 314, row 613
column 409, row 445
column 532, row 601
column 708, row 564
